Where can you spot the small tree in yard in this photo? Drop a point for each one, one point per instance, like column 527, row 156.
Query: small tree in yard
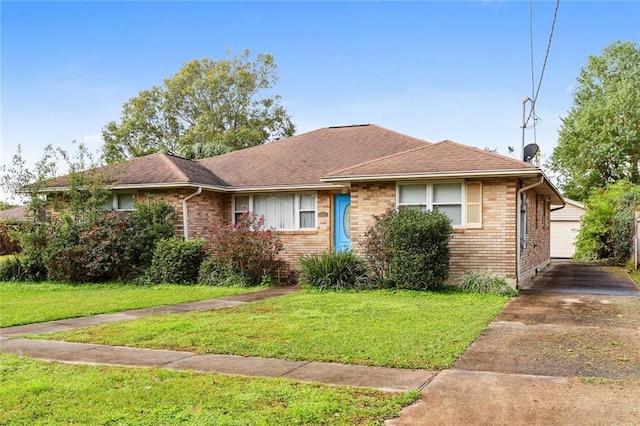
column 247, row 247
column 607, row 226
column 83, row 198
column 83, row 242
column 409, row 249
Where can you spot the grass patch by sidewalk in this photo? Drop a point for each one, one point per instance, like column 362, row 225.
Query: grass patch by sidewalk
column 26, row 303
column 38, row 393
column 379, row 328
column 635, row 276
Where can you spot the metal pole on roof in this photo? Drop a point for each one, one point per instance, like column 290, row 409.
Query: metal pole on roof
column 524, row 122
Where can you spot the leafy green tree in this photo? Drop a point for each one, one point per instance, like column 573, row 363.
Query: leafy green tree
column 81, row 241
column 24, row 184
column 607, row 225
column 599, row 141
column 206, row 105
column 79, row 203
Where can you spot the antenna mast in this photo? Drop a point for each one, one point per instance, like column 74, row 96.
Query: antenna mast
column 524, row 120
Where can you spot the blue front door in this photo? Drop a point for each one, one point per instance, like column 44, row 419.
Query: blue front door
column 342, row 221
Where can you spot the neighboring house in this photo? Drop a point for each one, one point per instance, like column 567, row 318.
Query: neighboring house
column 9, row 218
column 321, row 190
column 15, row 214
column 565, row 225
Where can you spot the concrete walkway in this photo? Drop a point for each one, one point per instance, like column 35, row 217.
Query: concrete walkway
column 388, row 379
column 564, row 352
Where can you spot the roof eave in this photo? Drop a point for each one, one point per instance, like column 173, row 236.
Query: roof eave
column 277, row 188
column 139, row 186
column 438, row 175
column 230, row 189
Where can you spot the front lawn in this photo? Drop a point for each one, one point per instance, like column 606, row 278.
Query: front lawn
column 379, row 328
column 43, row 393
column 26, row 303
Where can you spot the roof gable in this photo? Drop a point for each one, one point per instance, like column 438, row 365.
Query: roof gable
column 439, row 158
column 153, row 169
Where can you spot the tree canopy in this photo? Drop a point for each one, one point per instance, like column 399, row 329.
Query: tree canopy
column 599, row 141
column 608, row 224
column 208, row 107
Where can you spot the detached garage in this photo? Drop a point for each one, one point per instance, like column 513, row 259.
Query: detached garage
column 565, row 224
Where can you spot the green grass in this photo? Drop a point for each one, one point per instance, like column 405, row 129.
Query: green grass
column 379, row 328
column 43, row 393
column 635, row 276
column 25, row 303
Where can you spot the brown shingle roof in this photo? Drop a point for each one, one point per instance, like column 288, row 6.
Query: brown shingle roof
column 441, row 157
column 153, row 169
column 305, row 158
column 330, row 154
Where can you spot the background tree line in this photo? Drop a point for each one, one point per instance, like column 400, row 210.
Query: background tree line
column 597, row 159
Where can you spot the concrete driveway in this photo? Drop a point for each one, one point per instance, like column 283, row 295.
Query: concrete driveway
column 566, row 351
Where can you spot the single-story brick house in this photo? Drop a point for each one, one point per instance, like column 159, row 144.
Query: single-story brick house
column 321, row 189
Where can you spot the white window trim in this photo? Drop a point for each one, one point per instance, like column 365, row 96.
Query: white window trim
column 430, row 204
column 296, row 207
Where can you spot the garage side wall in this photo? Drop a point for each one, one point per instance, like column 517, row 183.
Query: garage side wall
column 536, row 254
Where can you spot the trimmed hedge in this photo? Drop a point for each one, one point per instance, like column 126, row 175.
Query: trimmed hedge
column 177, row 261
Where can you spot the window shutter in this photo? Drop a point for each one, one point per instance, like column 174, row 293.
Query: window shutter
column 474, row 204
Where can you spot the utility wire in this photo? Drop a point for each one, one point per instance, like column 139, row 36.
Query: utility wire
column 544, row 64
column 532, row 111
column 533, row 83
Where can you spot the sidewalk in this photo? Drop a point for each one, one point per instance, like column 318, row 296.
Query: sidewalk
column 388, row 379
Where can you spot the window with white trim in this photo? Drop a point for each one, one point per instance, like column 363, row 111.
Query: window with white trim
column 447, row 198
column 461, row 203
column 120, row 201
column 280, row 210
column 240, row 207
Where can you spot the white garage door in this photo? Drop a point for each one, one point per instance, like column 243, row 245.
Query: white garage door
column 563, row 238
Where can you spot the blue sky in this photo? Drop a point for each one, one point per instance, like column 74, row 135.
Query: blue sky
column 433, row 70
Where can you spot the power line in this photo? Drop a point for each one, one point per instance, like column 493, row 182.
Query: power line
column 544, row 64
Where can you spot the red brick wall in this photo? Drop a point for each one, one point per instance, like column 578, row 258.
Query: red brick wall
column 203, row 209
column 209, row 207
column 537, row 253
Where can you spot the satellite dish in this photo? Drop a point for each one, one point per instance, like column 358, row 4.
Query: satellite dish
column 530, row 151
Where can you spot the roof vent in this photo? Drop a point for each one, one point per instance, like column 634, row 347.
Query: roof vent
column 350, row 125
